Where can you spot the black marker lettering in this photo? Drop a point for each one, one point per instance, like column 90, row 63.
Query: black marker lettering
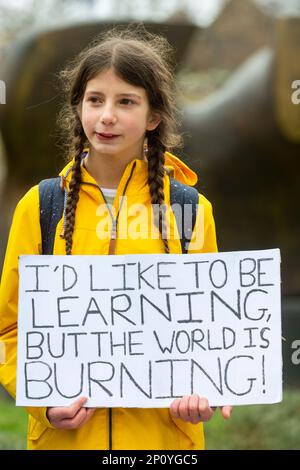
column 34, row 325
column 197, row 341
column 117, row 345
column 244, row 274
column 262, row 333
column 76, row 335
column 263, row 310
column 236, row 312
column 171, row 362
column 183, row 341
column 250, row 345
column 195, row 365
column 124, row 369
column 29, row 346
column 92, row 288
column 117, row 311
column 141, row 278
column 60, row 311
column 225, row 274
column 260, row 274
column 250, row 380
column 98, row 334
column 209, row 345
column 91, row 378
column 131, row 344
column 63, row 345
column 123, row 266
column 189, row 296
column 196, row 263
column 159, row 275
column 37, row 289
column 65, row 269
column 163, row 349
column 228, row 345
column 96, row 311
column 29, row 368
column 74, row 395
column 167, row 315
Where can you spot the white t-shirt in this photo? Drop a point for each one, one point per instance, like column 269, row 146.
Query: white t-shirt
column 109, row 194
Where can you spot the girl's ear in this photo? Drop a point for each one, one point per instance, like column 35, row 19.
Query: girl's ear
column 153, row 121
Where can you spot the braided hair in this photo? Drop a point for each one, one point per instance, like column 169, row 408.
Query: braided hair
column 156, row 172
column 74, row 186
column 142, row 59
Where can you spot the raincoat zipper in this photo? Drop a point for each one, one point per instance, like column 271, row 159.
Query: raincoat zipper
column 111, row 250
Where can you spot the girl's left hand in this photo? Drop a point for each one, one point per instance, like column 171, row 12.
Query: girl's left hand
column 193, row 409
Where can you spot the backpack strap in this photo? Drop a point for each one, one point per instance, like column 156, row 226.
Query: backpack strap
column 184, row 202
column 51, row 209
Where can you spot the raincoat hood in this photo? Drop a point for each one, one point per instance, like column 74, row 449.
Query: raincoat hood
column 178, row 169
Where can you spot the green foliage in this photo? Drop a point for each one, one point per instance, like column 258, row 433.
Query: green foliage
column 13, row 426
column 258, row 427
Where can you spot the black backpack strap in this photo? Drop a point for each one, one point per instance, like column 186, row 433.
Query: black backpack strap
column 184, row 202
column 51, row 209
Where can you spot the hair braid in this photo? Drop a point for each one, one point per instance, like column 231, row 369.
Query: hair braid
column 156, row 171
column 73, row 194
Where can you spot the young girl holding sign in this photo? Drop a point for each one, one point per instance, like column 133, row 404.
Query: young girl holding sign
column 120, row 122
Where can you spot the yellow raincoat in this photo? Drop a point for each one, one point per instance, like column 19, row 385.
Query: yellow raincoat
column 129, row 428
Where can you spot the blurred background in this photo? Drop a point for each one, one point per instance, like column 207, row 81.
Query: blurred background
column 238, row 74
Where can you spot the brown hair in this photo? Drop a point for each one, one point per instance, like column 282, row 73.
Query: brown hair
column 141, row 59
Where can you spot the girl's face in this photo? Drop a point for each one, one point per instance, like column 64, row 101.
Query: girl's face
column 115, row 116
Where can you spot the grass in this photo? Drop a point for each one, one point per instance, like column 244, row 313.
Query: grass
column 13, row 426
column 258, row 427
column 250, row 427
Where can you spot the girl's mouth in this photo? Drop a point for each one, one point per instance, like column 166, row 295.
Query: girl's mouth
column 106, row 136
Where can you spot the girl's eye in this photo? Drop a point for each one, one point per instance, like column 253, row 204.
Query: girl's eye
column 94, row 99
column 127, row 101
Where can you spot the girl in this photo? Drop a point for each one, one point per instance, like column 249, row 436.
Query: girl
column 120, row 122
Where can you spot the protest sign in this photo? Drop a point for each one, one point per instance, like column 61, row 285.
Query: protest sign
column 142, row 330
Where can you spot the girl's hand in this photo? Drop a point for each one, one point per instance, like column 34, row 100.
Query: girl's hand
column 193, row 409
column 70, row 417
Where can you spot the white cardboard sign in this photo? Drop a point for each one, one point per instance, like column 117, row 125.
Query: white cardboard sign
column 142, row 330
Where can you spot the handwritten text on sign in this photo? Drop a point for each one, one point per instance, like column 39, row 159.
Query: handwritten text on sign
column 141, row 330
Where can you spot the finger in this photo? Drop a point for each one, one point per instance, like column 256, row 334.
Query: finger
column 74, row 423
column 226, row 411
column 56, row 414
column 79, row 420
column 183, row 408
column 174, row 408
column 204, row 409
column 70, row 412
column 194, row 409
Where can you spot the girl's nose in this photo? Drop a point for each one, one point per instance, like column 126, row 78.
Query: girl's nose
column 108, row 115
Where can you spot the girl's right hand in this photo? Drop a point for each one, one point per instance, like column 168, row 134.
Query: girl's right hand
column 70, row 417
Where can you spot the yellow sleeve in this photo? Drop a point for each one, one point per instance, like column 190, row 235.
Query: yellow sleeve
column 204, row 239
column 24, row 239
